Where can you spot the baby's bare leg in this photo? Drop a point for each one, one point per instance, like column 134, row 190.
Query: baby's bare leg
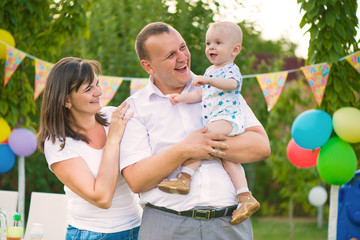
column 220, row 126
column 247, row 203
column 192, row 164
column 236, row 173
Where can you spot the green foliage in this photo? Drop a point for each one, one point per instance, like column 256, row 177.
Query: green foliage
column 41, row 35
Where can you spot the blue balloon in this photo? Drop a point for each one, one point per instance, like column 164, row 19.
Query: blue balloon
column 312, row 129
column 7, row 157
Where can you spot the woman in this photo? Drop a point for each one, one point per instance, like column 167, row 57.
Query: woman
column 82, row 150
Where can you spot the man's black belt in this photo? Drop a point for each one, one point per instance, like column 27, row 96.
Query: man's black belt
column 200, row 213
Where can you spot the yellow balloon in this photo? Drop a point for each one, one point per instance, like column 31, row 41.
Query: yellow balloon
column 346, row 122
column 6, row 37
column 4, row 130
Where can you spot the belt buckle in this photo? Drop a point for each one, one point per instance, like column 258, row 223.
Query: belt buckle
column 202, row 214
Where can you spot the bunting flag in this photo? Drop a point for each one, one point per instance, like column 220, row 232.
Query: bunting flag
column 317, row 76
column 13, row 59
column 109, row 87
column 272, row 84
column 137, row 84
column 354, row 60
column 42, row 70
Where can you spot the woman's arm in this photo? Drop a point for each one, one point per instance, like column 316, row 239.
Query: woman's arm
column 76, row 175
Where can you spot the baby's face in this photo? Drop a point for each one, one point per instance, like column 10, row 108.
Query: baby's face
column 220, row 44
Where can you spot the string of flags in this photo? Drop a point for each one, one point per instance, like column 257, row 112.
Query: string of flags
column 271, row 84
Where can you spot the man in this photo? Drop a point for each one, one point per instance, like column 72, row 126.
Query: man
column 161, row 136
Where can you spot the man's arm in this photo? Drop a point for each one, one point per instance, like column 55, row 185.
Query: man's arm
column 251, row 146
column 147, row 173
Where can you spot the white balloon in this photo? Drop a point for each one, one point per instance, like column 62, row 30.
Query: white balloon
column 317, row 196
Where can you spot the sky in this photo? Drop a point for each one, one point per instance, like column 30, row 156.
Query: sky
column 275, row 19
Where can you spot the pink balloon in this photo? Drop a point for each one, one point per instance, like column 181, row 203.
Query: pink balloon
column 301, row 157
column 23, row 142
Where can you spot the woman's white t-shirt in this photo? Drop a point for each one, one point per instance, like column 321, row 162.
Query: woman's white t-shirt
column 125, row 211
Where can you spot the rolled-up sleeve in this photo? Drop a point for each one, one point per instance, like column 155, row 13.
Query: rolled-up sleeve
column 250, row 118
column 134, row 145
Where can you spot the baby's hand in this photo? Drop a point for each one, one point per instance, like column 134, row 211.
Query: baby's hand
column 174, row 98
column 199, row 81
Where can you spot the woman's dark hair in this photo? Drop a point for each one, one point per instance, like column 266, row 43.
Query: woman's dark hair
column 66, row 75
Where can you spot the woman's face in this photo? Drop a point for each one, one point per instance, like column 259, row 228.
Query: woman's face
column 86, row 100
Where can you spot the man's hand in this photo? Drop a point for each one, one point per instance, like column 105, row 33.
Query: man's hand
column 202, row 145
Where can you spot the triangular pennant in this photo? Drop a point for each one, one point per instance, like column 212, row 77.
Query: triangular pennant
column 109, row 87
column 354, row 60
column 317, row 76
column 137, row 84
column 271, row 85
column 13, row 59
column 42, row 70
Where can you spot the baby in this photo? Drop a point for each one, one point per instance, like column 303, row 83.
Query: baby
column 219, row 93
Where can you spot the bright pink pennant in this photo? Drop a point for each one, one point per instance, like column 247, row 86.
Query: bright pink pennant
column 13, row 59
column 42, row 70
column 137, row 84
column 354, row 60
column 271, row 85
column 317, row 76
column 109, row 86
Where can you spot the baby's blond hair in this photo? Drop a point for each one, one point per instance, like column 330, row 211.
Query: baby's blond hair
column 234, row 29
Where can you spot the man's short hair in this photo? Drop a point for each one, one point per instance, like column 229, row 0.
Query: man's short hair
column 149, row 30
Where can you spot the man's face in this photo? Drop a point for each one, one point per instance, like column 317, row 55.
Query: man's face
column 168, row 61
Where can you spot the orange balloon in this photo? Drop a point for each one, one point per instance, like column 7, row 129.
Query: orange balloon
column 6, row 37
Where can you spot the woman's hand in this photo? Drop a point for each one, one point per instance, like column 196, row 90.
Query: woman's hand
column 119, row 119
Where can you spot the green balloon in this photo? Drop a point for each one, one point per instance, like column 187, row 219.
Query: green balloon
column 336, row 162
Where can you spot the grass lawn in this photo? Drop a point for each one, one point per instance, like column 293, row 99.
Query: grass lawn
column 279, row 229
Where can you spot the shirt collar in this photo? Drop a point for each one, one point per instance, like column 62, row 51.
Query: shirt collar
column 153, row 91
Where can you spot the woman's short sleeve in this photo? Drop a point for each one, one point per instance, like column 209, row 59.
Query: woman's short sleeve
column 53, row 152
